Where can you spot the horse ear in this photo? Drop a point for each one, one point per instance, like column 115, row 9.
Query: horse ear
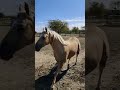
column 46, row 29
column 26, row 6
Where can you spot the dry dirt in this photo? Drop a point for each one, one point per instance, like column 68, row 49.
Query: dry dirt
column 72, row 79
column 18, row 72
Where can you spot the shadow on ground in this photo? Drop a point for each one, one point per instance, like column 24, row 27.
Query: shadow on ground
column 45, row 82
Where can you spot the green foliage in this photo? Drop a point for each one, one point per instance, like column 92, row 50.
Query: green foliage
column 115, row 5
column 96, row 9
column 58, row 26
column 75, row 30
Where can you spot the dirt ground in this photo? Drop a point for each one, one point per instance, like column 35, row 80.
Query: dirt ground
column 18, row 72
column 72, row 79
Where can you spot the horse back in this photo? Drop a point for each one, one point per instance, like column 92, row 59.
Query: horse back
column 74, row 46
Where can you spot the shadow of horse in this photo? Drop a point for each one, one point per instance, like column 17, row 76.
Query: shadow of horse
column 45, row 82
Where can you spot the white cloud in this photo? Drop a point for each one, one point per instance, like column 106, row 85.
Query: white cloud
column 39, row 28
column 79, row 25
column 41, row 22
column 78, row 19
column 74, row 22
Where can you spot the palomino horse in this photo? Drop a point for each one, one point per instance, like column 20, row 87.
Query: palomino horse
column 63, row 50
column 97, row 50
column 21, row 34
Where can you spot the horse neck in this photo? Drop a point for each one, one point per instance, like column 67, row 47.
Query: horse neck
column 57, row 42
column 56, row 46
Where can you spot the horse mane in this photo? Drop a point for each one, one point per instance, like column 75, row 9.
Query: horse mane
column 56, row 36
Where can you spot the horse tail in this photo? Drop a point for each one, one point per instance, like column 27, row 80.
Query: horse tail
column 104, row 56
column 105, row 53
column 78, row 50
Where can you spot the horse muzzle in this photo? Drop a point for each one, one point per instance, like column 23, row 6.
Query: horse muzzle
column 38, row 47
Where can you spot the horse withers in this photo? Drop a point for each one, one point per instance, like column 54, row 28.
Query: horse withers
column 20, row 34
column 63, row 50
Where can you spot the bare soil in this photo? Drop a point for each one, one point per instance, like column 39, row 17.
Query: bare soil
column 18, row 72
column 72, row 79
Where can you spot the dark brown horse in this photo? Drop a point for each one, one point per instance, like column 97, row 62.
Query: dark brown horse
column 20, row 34
column 96, row 50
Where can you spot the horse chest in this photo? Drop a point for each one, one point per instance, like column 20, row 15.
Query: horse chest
column 59, row 55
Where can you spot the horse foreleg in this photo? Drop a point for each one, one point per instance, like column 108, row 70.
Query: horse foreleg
column 57, row 72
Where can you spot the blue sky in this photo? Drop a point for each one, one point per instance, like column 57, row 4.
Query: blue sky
column 71, row 11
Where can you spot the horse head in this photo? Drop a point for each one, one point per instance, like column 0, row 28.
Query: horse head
column 45, row 39
column 20, row 34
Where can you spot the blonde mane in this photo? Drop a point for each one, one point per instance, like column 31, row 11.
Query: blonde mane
column 56, row 36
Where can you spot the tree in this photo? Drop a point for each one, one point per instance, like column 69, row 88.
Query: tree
column 115, row 5
column 96, row 9
column 75, row 30
column 58, row 26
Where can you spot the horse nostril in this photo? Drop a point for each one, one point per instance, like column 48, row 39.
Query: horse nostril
column 36, row 48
